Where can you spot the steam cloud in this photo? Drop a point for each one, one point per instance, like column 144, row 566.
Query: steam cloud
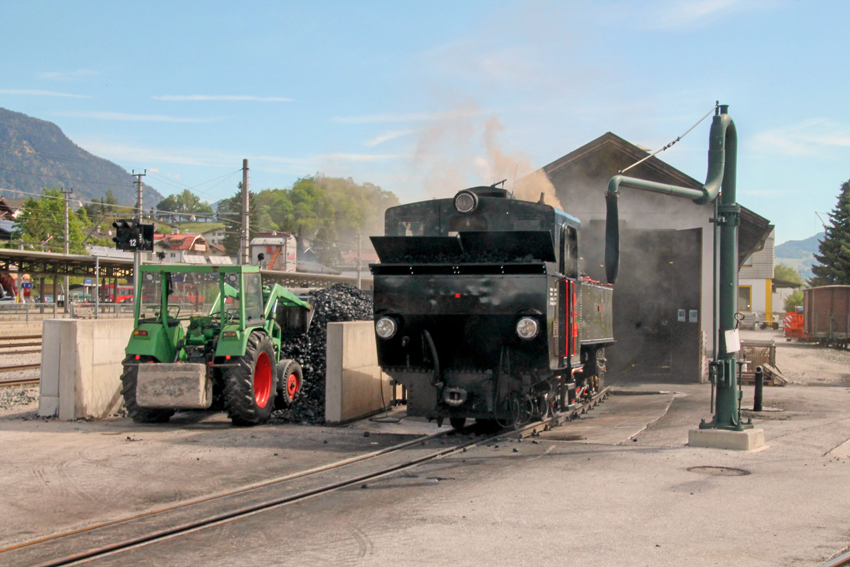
column 450, row 153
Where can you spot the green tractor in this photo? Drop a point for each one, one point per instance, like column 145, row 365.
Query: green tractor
column 210, row 336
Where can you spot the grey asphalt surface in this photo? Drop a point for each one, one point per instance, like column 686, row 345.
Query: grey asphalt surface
column 620, row 488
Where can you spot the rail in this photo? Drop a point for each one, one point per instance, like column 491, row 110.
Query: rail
column 93, row 541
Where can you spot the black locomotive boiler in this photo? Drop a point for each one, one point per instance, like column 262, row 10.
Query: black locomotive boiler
column 481, row 311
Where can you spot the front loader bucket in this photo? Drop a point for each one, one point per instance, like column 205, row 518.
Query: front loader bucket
column 173, row 386
column 294, row 319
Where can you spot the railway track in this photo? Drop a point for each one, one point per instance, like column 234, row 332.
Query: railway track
column 20, row 382
column 12, row 345
column 125, row 534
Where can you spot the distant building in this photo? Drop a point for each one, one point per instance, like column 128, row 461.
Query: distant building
column 755, row 284
column 186, row 249
column 10, row 208
column 663, row 300
column 214, row 235
column 275, row 251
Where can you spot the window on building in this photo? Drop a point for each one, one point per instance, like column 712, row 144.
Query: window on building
column 745, row 298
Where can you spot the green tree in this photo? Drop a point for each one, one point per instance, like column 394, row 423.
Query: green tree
column 185, row 202
column 787, row 273
column 793, row 301
column 833, row 265
column 329, row 211
column 43, row 217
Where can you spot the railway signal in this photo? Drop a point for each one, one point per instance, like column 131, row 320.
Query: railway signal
column 132, row 235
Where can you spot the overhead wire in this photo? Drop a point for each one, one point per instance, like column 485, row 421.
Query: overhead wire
column 671, row 144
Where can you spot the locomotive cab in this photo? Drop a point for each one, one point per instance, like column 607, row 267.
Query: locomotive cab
column 478, row 308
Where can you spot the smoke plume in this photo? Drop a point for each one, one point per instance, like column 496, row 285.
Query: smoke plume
column 463, row 151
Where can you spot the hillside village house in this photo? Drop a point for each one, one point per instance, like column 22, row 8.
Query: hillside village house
column 186, row 249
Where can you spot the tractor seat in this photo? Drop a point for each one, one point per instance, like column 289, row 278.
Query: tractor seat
column 173, row 323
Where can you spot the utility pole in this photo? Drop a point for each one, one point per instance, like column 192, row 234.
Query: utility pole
column 245, row 243
column 359, row 256
column 137, row 255
column 67, row 295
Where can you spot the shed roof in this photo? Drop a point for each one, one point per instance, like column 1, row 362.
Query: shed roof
column 609, row 153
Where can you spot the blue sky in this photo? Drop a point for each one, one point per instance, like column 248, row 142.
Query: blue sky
column 401, row 94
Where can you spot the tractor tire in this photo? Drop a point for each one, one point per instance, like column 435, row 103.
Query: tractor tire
column 249, row 388
column 129, row 379
column 290, row 378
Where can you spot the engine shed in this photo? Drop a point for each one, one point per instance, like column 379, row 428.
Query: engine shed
column 663, row 300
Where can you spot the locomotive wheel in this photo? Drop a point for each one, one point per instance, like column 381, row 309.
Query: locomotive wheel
column 249, row 387
column 458, row 422
column 290, row 378
column 129, row 379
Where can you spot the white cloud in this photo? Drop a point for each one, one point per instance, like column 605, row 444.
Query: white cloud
column 32, row 92
column 67, row 75
column 391, row 135
column 237, row 98
column 807, row 138
column 686, row 14
column 216, row 158
column 408, row 117
column 356, row 157
column 135, row 154
column 153, row 170
column 125, row 117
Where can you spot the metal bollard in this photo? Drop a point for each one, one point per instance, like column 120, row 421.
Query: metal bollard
column 757, row 402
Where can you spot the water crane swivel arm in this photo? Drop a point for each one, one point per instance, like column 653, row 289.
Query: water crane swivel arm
column 723, row 147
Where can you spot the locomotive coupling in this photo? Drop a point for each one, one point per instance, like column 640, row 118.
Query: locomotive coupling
column 454, row 397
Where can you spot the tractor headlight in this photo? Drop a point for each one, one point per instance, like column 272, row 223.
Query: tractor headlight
column 386, row 327
column 466, row 202
column 527, row 328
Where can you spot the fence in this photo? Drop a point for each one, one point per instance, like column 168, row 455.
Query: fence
column 25, row 312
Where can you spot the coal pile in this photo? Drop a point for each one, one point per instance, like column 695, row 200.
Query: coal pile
column 341, row 302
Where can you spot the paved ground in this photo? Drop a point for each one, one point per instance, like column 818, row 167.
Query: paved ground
column 618, row 487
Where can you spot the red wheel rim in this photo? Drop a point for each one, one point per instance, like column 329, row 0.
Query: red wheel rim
column 292, row 385
column 262, row 380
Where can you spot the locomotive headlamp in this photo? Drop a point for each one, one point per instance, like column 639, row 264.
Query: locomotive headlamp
column 466, row 202
column 527, row 328
column 386, row 327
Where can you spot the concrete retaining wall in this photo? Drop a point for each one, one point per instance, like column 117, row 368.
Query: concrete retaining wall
column 354, row 384
column 81, row 367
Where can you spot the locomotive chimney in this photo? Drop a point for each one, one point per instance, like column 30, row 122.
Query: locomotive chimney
column 542, row 200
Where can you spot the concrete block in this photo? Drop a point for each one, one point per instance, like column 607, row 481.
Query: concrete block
column 747, row 440
column 173, row 386
column 48, row 399
column 355, row 386
column 81, row 366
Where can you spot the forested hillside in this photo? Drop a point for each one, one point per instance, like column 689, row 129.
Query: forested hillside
column 35, row 154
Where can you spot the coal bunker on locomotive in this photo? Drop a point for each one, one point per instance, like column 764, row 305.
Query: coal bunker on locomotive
column 480, row 309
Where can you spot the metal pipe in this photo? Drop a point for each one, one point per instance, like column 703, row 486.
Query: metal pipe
column 759, row 390
column 722, row 171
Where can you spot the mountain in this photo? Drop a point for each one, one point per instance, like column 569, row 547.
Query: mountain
column 35, row 154
column 799, row 254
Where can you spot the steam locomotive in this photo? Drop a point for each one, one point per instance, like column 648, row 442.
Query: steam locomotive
column 481, row 310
